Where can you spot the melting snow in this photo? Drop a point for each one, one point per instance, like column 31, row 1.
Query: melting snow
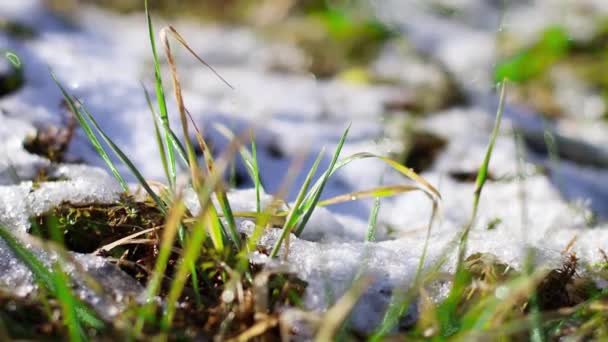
column 103, row 58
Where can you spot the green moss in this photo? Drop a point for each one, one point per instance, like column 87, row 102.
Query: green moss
column 86, row 228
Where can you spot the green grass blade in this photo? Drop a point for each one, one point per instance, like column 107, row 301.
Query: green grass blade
column 172, row 224
column 89, row 132
column 447, row 310
column 250, row 161
column 214, row 225
column 159, row 139
column 222, row 198
column 373, row 218
column 190, row 255
column 293, row 215
column 220, row 193
column 45, row 278
column 256, row 174
column 179, row 147
column 38, row 269
column 400, row 301
column 482, row 175
column 312, row 202
column 68, row 305
column 160, row 97
column 123, row 157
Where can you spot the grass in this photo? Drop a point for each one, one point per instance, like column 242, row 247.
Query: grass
column 209, row 254
column 200, row 283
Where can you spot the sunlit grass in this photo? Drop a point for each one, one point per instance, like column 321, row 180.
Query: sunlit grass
column 201, row 261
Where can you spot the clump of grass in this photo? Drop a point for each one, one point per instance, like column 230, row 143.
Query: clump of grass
column 196, row 268
column 199, row 280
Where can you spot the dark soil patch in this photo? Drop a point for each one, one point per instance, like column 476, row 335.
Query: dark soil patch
column 421, row 150
column 468, row 176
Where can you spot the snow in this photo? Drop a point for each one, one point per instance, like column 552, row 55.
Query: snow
column 104, row 56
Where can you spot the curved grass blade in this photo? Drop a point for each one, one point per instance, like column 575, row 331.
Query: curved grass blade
column 182, row 41
column 405, row 171
column 89, row 132
column 278, row 218
column 381, row 191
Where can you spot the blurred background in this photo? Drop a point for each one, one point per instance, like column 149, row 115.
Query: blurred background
column 303, row 69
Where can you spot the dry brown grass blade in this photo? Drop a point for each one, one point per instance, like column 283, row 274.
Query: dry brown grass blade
column 180, row 39
column 125, row 240
column 195, row 174
column 178, row 93
column 256, row 330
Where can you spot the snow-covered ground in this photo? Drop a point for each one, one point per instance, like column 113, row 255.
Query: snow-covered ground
column 102, row 58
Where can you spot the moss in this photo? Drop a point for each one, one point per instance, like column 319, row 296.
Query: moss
column 86, row 228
